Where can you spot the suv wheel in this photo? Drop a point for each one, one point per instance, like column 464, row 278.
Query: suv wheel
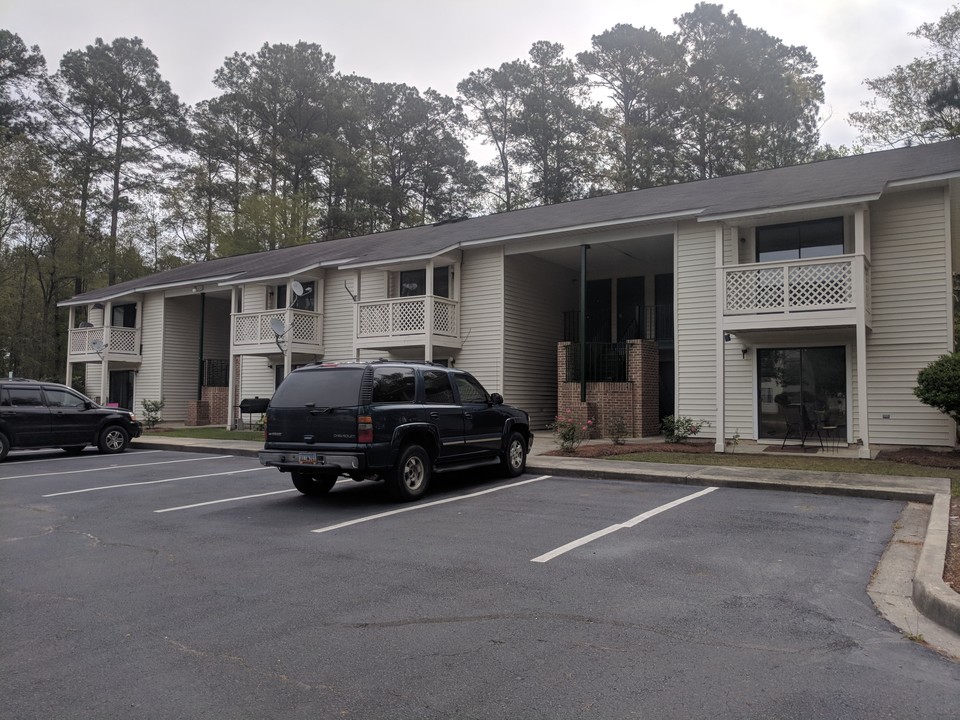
column 313, row 484
column 514, row 460
column 113, row 439
column 4, row 446
column 411, row 476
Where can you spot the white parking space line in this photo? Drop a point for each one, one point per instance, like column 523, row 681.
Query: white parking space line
column 411, row 508
column 117, row 467
column 546, row 557
column 226, row 500
column 86, row 455
column 150, row 482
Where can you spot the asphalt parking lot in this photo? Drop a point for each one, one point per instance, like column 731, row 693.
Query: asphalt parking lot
column 176, row 585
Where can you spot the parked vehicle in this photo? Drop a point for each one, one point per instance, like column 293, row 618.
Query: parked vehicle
column 400, row 422
column 49, row 415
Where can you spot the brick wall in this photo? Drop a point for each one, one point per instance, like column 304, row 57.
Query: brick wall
column 217, row 398
column 636, row 401
column 198, row 413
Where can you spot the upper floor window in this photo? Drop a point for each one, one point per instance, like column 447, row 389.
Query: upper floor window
column 124, row 315
column 414, row 282
column 298, row 302
column 799, row 241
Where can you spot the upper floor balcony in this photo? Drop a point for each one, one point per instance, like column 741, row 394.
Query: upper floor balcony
column 408, row 321
column 268, row 332
column 819, row 292
column 112, row 343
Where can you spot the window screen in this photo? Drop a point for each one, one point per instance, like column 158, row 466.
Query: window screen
column 797, row 241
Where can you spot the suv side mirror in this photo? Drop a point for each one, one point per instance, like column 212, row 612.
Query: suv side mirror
column 496, row 398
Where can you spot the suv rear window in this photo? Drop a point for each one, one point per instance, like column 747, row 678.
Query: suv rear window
column 324, row 387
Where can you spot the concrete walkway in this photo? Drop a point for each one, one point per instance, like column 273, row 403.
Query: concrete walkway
column 909, row 577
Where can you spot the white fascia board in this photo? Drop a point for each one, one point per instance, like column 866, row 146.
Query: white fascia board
column 106, row 298
column 926, row 179
column 396, row 260
column 588, row 227
column 761, row 212
column 234, row 280
column 147, row 289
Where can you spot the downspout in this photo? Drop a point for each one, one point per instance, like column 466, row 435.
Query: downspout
column 583, row 322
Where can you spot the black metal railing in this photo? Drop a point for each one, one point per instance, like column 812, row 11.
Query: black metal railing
column 216, row 373
column 653, row 322
column 602, row 362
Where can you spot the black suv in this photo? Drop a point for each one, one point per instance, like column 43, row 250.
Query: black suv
column 44, row 415
column 396, row 421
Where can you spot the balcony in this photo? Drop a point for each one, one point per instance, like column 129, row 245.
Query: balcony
column 819, row 292
column 408, row 321
column 119, row 343
column 252, row 333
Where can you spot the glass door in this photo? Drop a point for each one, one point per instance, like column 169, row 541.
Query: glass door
column 796, row 381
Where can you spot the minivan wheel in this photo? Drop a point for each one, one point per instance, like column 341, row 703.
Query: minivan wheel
column 312, row 484
column 514, row 460
column 411, row 475
column 4, row 446
column 113, row 439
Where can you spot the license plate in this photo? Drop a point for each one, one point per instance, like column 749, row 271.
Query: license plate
column 308, row 458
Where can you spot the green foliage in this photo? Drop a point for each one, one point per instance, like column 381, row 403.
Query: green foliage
column 678, row 428
column 568, row 433
column 938, row 385
column 617, row 430
column 152, row 412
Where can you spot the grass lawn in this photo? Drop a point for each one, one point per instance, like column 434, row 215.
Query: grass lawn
column 785, row 462
column 208, row 433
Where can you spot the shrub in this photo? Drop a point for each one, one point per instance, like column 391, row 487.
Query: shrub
column 938, row 385
column 568, row 433
column 679, row 428
column 151, row 412
column 618, row 430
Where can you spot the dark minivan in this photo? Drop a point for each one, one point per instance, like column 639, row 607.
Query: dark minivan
column 395, row 421
column 49, row 415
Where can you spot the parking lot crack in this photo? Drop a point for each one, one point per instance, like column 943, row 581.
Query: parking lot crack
column 280, row 677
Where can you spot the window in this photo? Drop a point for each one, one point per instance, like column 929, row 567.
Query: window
column 394, row 385
column 798, row 241
column 814, row 379
column 58, row 397
column 414, row 282
column 436, row 387
column 471, row 391
column 25, row 397
column 124, row 315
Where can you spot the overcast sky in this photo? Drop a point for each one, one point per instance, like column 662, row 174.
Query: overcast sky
column 436, row 43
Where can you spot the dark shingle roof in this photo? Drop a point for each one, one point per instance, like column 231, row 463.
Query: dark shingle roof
column 828, row 181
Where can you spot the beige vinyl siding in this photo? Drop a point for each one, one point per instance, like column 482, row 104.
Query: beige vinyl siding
column 339, row 333
column 536, row 294
column 740, row 398
column 93, row 370
column 374, row 284
column 257, row 377
column 180, row 355
column 696, row 338
column 149, row 380
column 911, row 312
column 481, row 316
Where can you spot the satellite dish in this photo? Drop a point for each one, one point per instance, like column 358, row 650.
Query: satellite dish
column 276, row 324
column 297, row 288
column 97, row 346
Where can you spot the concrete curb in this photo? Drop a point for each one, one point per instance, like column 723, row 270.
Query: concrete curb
column 931, row 594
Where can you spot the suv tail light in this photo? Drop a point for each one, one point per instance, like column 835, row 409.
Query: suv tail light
column 364, row 429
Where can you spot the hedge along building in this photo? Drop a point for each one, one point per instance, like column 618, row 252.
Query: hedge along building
column 767, row 304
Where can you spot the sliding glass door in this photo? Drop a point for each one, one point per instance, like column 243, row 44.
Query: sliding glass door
column 812, row 378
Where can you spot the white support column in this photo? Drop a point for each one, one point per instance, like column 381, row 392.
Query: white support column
column 356, row 315
column 428, row 314
column 861, row 245
column 719, row 445
column 105, row 361
column 230, row 374
column 71, row 321
column 288, row 325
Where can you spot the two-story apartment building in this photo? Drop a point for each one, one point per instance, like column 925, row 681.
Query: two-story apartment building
column 760, row 303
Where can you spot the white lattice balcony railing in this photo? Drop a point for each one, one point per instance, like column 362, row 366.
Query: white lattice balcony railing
column 400, row 317
column 119, row 342
column 304, row 327
column 798, row 285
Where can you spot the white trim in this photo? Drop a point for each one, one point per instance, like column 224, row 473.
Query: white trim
column 234, row 280
column 720, row 440
column 763, row 212
column 925, row 179
column 948, row 262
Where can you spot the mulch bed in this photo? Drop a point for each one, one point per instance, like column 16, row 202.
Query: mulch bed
column 607, row 449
